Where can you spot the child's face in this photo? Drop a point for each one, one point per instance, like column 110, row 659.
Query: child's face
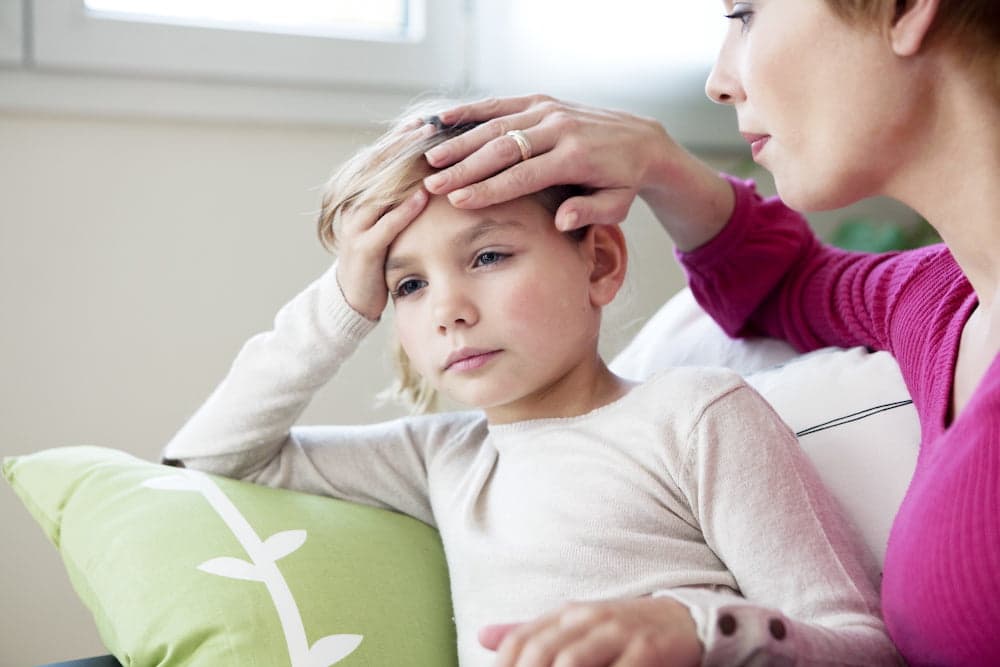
column 493, row 306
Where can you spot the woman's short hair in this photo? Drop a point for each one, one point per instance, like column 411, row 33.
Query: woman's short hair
column 969, row 28
column 380, row 176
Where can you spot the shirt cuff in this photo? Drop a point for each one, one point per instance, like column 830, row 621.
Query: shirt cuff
column 734, row 632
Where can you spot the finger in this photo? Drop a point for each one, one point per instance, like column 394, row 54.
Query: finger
column 523, row 178
column 490, row 636
column 488, row 108
column 509, row 650
column 497, row 155
column 543, row 646
column 461, row 147
column 396, row 220
column 597, row 648
column 358, row 219
column 602, row 207
column 646, row 650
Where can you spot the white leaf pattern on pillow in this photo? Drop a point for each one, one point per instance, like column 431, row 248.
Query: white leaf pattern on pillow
column 281, row 544
column 262, row 567
column 231, row 568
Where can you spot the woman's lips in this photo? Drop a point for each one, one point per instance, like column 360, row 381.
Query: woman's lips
column 756, row 141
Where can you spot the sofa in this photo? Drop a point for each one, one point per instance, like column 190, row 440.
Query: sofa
column 181, row 568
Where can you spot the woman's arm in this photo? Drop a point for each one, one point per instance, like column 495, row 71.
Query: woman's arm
column 766, row 273
column 807, row 582
column 615, row 155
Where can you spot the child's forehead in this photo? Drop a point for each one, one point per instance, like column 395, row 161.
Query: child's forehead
column 441, row 218
column 441, row 225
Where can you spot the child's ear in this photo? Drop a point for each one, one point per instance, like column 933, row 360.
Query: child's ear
column 609, row 261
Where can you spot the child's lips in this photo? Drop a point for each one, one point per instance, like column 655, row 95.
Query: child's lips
column 467, row 359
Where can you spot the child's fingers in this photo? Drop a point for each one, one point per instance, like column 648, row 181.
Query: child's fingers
column 512, row 646
column 388, row 227
column 549, row 643
column 490, row 636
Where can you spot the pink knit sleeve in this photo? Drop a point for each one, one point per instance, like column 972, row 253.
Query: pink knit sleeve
column 766, row 273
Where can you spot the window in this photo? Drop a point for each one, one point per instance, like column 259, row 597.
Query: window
column 358, row 19
column 386, row 44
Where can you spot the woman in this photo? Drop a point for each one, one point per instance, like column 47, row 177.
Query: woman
column 840, row 100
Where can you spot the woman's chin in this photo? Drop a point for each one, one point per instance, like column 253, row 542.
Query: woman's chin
column 806, row 196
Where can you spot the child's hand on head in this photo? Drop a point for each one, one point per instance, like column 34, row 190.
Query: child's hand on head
column 644, row 632
column 364, row 240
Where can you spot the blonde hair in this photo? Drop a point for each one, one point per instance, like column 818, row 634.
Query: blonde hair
column 380, row 176
column 968, row 28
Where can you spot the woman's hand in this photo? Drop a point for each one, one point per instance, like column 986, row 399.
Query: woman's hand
column 614, row 155
column 645, row 632
column 364, row 240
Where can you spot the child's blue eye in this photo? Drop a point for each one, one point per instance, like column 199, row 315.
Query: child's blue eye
column 489, row 257
column 408, row 287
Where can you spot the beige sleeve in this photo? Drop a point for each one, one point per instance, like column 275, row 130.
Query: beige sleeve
column 808, row 590
column 245, row 428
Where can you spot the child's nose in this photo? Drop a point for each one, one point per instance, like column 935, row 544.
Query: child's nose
column 454, row 308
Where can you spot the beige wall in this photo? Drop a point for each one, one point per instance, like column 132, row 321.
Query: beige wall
column 135, row 258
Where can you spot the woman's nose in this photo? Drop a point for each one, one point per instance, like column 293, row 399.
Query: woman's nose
column 723, row 86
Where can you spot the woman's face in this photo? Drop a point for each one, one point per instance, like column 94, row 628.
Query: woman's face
column 823, row 103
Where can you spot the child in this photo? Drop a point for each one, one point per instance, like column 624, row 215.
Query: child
column 679, row 514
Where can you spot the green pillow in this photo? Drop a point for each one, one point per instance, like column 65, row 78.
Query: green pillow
column 183, row 568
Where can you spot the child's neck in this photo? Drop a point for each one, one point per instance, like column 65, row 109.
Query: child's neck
column 585, row 388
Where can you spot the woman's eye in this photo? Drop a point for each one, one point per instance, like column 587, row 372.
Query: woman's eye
column 742, row 12
column 489, row 257
column 407, row 287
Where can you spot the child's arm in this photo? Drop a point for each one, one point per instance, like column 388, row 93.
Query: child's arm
column 807, row 582
column 244, row 429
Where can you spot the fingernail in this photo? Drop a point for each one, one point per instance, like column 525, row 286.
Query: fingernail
column 435, row 181
column 419, row 196
column 568, row 221
column 435, row 155
column 459, row 196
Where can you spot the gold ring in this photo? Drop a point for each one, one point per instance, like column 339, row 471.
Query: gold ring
column 522, row 143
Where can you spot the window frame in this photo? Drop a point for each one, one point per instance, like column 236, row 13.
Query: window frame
column 65, row 36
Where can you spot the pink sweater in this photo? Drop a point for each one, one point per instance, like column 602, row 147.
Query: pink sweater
column 767, row 273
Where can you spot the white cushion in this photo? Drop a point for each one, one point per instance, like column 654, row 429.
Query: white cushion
column 680, row 333
column 849, row 408
column 855, row 420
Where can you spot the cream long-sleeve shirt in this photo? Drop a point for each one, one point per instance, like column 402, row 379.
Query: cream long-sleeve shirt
column 688, row 486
